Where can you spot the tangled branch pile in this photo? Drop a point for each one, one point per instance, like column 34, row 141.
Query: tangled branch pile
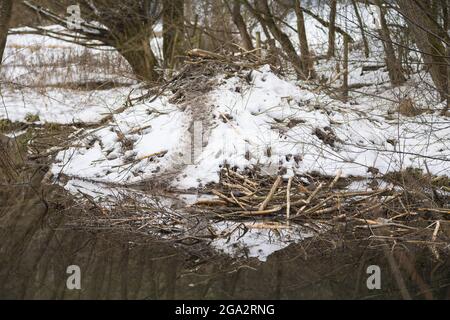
column 324, row 199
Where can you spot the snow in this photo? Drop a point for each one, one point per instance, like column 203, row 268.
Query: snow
column 256, row 239
column 60, row 106
column 251, row 128
column 150, row 129
column 363, row 130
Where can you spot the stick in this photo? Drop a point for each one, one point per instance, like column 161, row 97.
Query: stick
column 275, row 186
column 433, row 238
column 223, row 197
column 259, row 212
column 436, row 231
column 206, row 54
column 321, row 204
column 245, row 190
column 311, row 197
column 288, row 198
column 254, row 184
column 327, row 210
column 336, row 179
column 210, row 203
column 234, row 198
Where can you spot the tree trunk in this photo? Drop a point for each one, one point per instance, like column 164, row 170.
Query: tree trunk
column 332, row 30
column 240, row 24
column 173, row 30
column 264, row 15
column 5, row 17
column 361, row 28
column 431, row 47
column 346, row 71
column 445, row 15
column 394, row 68
column 141, row 58
column 307, row 63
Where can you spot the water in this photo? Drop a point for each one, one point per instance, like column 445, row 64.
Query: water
column 38, row 241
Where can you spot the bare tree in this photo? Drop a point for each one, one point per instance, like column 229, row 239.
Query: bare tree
column 173, row 30
column 240, row 24
column 5, row 17
column 394, row 68
column 361, row 28
column 332, row 29
column 428, row 34
column 445, row 16
column 261, row 10
column 307, row 63
column 128, row 28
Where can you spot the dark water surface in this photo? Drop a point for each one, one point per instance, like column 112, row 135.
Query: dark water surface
column 37, row 244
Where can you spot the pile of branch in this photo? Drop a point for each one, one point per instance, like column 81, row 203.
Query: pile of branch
column 245, row 59
column 299, row 199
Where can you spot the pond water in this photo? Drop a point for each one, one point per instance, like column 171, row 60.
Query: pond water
column 38, row 243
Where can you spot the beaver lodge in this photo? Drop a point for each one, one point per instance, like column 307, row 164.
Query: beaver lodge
column 267, row 127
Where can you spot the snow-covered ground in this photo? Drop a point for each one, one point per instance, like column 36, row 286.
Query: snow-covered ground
column 271, row 123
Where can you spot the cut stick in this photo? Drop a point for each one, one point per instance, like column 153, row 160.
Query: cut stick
column 205, row 54
column 311, row 197
column 211, row 202
column 327, row 210
column 336, row 179
column 288, row 198
column 436, row 231
column 223, row 197
column 240, row 205
column 245, row 190
column 275, row 186
column 259, row 212
column 433, row 239
column 254, row 184
column 444, row 211
column 318, row 206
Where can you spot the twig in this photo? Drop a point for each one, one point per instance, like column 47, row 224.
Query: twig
column 288, row 198
column 311, row 197
column 336, row 179
column 274, row 188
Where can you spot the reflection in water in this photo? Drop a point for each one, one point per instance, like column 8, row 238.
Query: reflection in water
column 256, row 238
column 37, row 244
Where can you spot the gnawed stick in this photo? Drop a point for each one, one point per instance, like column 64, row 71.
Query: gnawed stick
column 274, row 188
column 433, row 239
column 223, row 197
column 318, row 206
column 327, row 210
column 311, row 197
column 249, row 182
column 443, row 211
column 288, row 198
column 206, row 54
column 259, row 212
column 336, row 179
column 211, row 202
column 245, row 190
column 236, row 200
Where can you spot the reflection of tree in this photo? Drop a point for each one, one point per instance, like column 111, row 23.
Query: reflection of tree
column 37, row 248
column 5, row 16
